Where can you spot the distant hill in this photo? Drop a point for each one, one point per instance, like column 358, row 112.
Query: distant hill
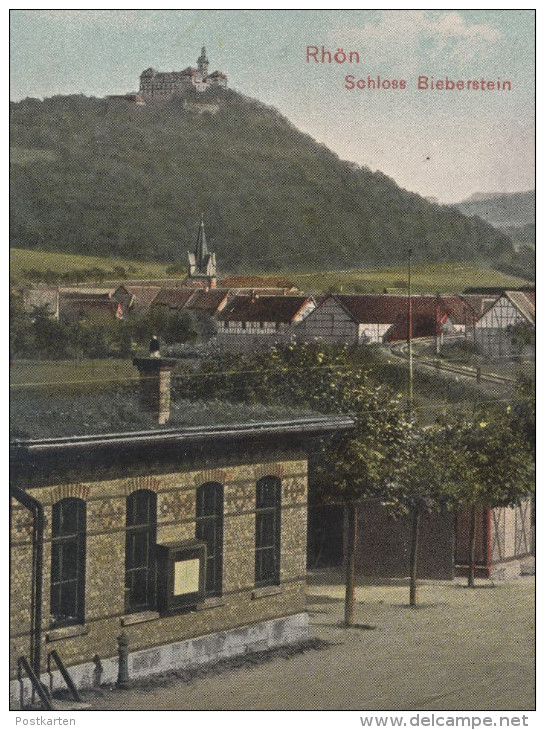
column 502, row 210
column 110, row 178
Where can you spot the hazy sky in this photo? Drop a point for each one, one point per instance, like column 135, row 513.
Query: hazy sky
column 447, row 144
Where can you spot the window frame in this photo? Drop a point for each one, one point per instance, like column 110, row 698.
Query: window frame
column 145, row 533
column 65, row 544
column 268, row 519
column 215, row 520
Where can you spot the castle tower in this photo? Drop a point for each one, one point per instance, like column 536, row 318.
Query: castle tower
column 203, row 63
column 202, row 263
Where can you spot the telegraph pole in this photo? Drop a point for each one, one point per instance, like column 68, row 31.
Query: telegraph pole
column 410, row 333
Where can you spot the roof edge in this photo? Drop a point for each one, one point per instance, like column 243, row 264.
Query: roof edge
column 305, row 427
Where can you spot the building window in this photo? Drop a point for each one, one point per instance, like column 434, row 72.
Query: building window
column 141, row 533
column 68, row 562
column 267, row 532
column 209, row 529
column 243, row 325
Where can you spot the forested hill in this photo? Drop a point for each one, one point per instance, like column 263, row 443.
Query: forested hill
column 109, row 177
column 502, row 209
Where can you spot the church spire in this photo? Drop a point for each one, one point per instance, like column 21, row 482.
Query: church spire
column 202, row 262
column 201, row 249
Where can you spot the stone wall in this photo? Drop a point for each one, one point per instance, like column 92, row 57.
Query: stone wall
column 240, row 604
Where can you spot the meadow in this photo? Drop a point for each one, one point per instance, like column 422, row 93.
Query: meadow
column 426, row 278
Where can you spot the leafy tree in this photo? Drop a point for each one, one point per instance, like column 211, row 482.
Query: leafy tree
column 21, row 332
column 523, row 334
column 493, row 466
column 51, row 337
column 356, row 468
column 523, row 412
column 420, row 470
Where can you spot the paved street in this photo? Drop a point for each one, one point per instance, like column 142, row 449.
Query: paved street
column 460, row 650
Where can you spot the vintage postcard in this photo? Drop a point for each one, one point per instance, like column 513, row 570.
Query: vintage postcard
column 272, row 358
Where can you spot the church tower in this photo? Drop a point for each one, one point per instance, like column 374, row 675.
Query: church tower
column 203, row 63
column 202, row 263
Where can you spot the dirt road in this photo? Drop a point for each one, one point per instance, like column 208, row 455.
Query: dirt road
column 460, row 650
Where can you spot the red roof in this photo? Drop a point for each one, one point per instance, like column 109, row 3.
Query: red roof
column 143, row 295
column 263, row 309
column 480, row 302
column 393, row 309
column 207, row 301
column 459, row 310
column 175, row 298
column 382, row 308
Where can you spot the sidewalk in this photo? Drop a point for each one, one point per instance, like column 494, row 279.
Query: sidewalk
column 459, row 650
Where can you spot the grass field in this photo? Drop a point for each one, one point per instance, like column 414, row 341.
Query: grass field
column 427, row 278
column 21, row 259
column 77, row 375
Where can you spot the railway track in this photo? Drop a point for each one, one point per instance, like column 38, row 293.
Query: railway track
column 400, row 349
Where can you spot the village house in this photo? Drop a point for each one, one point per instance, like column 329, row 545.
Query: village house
column 209, row 301
column 495, row 329
column 377, row 318
column 253, row 319
column 80, row 303
column 178, row 544
column 70, row 303
column 130, row 297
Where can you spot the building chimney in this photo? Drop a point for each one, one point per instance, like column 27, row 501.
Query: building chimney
column 155, row 386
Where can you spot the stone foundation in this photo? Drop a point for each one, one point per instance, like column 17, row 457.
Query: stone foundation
column 179, row 655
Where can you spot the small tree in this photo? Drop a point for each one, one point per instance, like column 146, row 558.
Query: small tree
column 420, row 473
column 355, row 468
column 493, row 467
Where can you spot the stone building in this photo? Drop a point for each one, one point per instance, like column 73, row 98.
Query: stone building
column 163, row 85
column 189, row 542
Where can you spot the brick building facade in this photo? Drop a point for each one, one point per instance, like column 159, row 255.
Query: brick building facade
column 113, row 504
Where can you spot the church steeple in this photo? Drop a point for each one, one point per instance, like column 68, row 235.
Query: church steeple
column 202, row 263
column 201, row 250
column 203, row 63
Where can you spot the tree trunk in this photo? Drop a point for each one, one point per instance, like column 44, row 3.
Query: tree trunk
column 415, row 535
column 351, row 541
column 472, row 531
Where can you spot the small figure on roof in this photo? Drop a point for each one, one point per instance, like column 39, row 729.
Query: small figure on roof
column 154, row 347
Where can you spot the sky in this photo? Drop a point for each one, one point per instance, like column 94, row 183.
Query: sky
column 445, row 144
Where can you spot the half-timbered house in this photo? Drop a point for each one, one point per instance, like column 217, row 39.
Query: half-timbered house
column 494, row 331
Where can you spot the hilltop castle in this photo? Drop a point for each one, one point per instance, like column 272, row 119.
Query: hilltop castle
column 162, row 85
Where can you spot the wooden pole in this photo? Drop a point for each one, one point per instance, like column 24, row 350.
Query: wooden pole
column 415, row 534
column 472, row 532
column 410, row 331
column 350, row 593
